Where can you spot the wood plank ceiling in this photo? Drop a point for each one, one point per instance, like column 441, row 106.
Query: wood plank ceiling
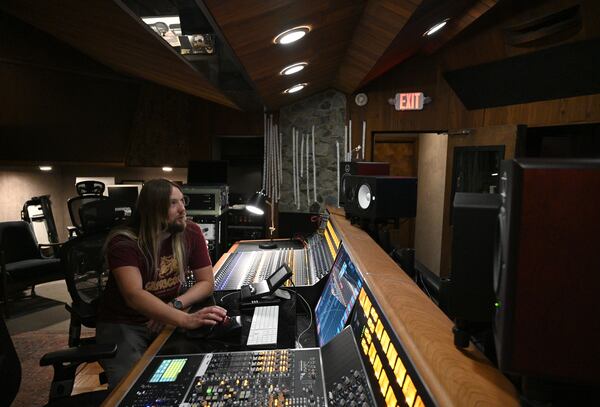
column 110, row 33
column 351, row 41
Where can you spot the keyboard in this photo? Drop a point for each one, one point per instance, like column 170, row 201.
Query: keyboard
column 263, row 329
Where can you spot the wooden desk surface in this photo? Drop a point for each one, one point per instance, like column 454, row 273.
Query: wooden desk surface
column 454, row 377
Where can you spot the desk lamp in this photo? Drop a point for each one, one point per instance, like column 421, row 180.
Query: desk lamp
column 256, row 205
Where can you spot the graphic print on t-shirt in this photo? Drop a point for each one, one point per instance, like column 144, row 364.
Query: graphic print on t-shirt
column 168, row 277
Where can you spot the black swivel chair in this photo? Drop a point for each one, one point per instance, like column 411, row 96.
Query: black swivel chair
column 65, row 363
column 86, row 273
column 22, row 263
column 84, row 265
column 88, row 192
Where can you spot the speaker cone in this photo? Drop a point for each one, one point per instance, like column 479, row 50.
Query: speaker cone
column 364, row 196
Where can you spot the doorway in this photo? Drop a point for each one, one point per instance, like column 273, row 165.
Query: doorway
column 401, row 151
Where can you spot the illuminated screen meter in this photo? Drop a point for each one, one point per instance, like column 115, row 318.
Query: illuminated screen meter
column 338, row 297
column 168, row 370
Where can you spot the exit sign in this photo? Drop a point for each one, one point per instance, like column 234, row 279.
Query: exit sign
column 409, row 101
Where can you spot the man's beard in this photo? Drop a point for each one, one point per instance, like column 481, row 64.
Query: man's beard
column 175, row 227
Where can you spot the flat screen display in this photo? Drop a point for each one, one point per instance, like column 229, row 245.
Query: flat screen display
column 124, row 194
column 167, row 371
column 207, row 172
column 338, row 297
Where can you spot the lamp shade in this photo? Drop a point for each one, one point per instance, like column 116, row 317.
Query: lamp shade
column 257, row 203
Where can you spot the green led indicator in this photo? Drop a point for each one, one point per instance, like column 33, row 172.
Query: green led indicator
column 497, row 304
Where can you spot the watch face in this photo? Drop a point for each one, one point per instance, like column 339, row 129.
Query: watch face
column 177, row 304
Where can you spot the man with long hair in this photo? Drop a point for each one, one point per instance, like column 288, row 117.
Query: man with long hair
column 148, row 259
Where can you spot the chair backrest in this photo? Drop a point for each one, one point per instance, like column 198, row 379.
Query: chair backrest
column 18, row 242
column 10, row 367
column 86, row 272
column 100, row 215
column 90, row 187
column 76, row 203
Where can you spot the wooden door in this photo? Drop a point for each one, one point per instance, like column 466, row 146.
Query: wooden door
column 401, row 151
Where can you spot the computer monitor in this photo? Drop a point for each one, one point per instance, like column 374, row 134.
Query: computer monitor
column 125, row 195
column 338, row 297
column 207, row 172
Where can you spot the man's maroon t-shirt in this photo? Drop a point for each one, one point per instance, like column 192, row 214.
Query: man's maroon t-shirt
column 123, row 251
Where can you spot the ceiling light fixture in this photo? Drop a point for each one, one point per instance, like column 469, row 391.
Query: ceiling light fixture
column 436, row 27
column 291, row 35
column 292, row 69
column 167, row 169
column 45, row 168
column 296, row 88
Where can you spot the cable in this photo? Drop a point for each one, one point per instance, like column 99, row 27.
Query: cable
column 309, row 313
column 227, row 295
column 424, row 284
column 311, row 319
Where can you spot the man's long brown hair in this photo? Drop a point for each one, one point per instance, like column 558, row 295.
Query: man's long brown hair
column 149, row 221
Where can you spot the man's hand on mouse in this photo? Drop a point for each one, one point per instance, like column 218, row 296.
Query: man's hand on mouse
column 206, row 316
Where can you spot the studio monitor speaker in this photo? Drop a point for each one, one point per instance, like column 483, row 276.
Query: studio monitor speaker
column 547, row 269
column 381, row 197
column 474, row 222
column 359, row 168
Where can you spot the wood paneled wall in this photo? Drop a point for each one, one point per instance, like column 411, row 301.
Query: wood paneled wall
column 481, row 43
column 61, row 106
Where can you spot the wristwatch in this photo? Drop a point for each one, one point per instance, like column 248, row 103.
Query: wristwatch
column 177, row 304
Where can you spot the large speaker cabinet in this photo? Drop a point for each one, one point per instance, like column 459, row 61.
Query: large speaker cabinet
column 359, row 168
column 378, row 197
column 547, row 269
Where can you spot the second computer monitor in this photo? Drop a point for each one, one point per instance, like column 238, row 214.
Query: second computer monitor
column 338, row 297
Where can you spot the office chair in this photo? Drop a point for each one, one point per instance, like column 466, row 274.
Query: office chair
column 87, row 193
column 86, row 273
column 22, row 263
column 65, row 363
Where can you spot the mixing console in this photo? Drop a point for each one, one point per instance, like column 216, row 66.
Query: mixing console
column 243, row 268
column 286, row 377
column 309, row 264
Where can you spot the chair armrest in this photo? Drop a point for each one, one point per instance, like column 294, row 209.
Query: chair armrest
column 45, row 249
column 88, row 353
column 41, row 245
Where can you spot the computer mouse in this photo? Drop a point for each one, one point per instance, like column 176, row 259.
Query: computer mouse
column 229, row 328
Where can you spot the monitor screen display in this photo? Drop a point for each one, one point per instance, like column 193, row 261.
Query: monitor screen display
column 123, row 194
column 168, row 370
column 207, row 172
column 338, row 297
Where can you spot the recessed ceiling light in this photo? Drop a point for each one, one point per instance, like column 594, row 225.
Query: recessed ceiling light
column 436, row 27
column 291, row 35
column 45, row 168
column 292, row 69
column 167, row 169
column 296, row 88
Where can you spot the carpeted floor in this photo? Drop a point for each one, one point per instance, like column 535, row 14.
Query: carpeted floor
column 39, row 325
column 35, row 382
